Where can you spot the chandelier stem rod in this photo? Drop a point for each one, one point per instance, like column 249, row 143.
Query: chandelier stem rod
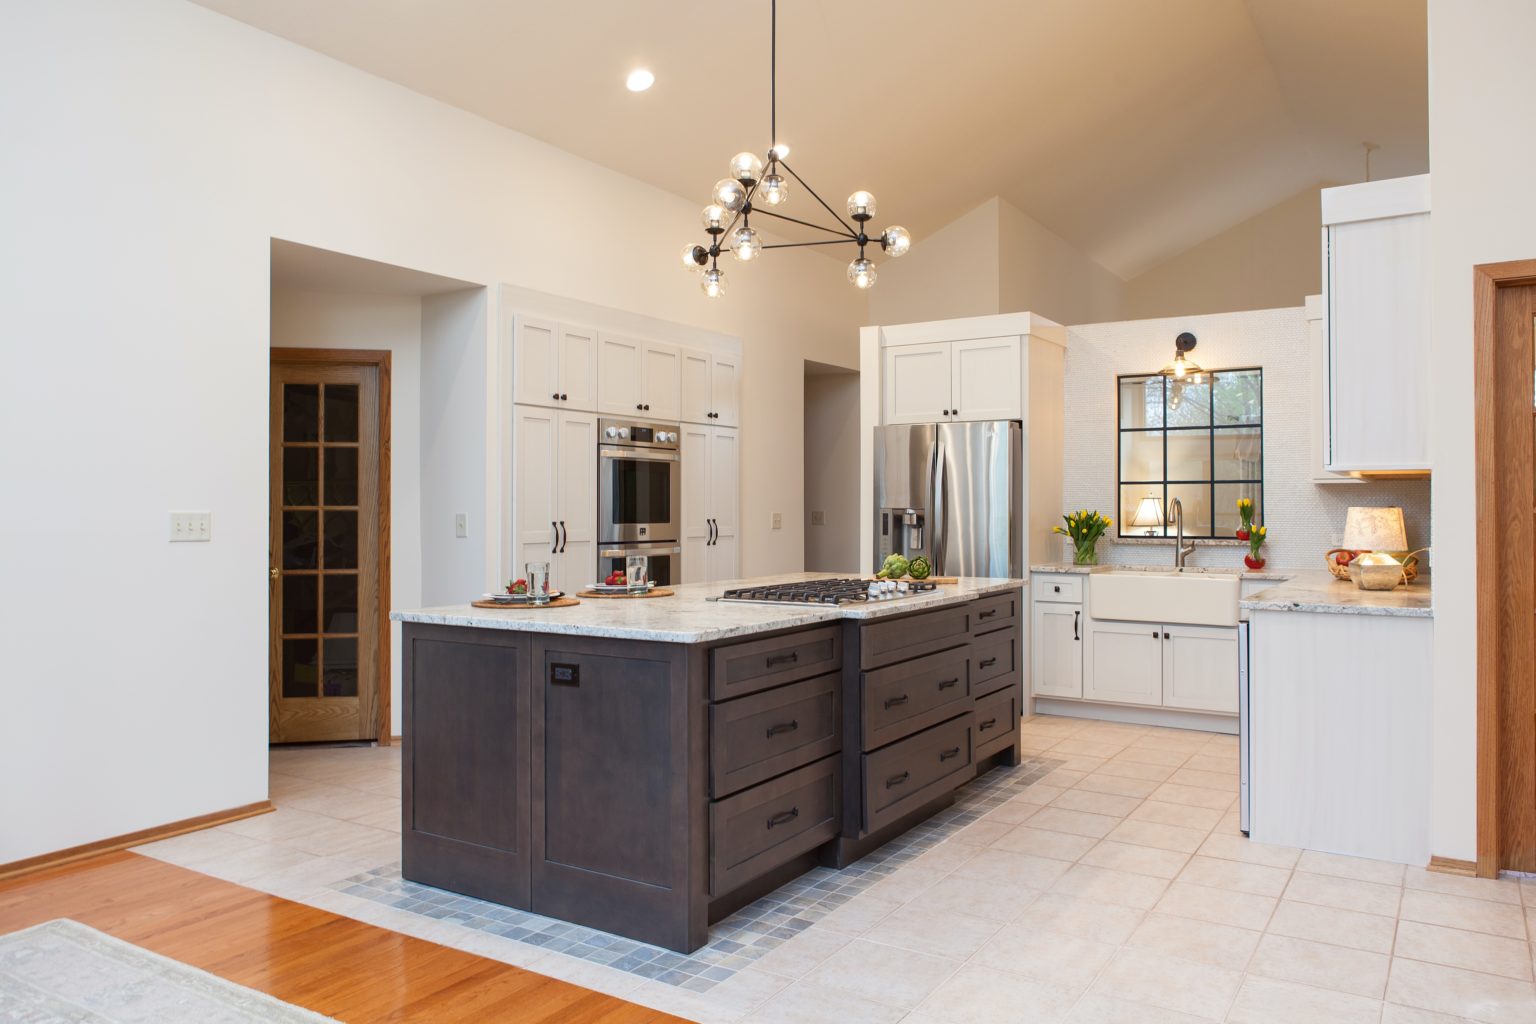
column 773, row 75
column 835, row 215
column 805, row 223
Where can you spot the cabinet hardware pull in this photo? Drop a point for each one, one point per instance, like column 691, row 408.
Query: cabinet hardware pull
column 564, row 397
column 555, row 396
column 1154, row 634
column 987, row 663
column 1075, row 617
column 554, row 544
column 1057, row 588
column 784, row 817
column 947, row 754
column 790, row 726
column 984, row 726
column 783, row 659
column 891, row 702
column 945, row 684
column 1167, row 636
column 647, row 408
column 986, row 614
column 896, row 780
column 639, row 407
column 564, row 536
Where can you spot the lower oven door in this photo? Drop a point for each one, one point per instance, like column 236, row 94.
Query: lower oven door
column 663, row 562
column 640, row 496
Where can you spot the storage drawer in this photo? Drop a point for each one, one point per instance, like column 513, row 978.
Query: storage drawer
column 995, row 662
column 740, row 669
column 903, row 698
column 907, row 774
column 768, row 733
column 910, row 636
column 997, row 718
column 1058, row 588
column 758, row 829
column 998, row 611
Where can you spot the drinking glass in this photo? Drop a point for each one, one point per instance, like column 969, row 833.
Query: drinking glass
column 636, row 573
column 538, row 582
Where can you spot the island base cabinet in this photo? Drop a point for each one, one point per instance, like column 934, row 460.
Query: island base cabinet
column 763, row 827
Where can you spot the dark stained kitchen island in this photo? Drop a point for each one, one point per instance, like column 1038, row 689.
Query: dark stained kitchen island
column 647, row 767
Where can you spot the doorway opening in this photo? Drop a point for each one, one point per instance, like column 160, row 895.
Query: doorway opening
column 831, row 469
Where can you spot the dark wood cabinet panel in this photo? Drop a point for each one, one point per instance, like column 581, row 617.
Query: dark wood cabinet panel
column 755, row 738
column 760, row 828
column 739, row 669
column 909, row 773
column 995, row 662
column 901, row 699
column 890, row 640
column 995, row 612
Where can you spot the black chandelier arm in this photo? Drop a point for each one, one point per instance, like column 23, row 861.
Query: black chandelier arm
column 835, row 215
column 847, row 235
column 797, row 245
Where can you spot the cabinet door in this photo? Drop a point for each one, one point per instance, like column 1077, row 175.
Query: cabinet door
column 662, row 388
column 578, row 368
column 985, row 382
column 695, row 386
column 534, row 517
column 725, row 390
column 1123, row 663
column 917, row 383
column 697, row 533
column 618, row 375
column 1056, row 661
column 576, row 503
column 725, row 503
column 535, row 362
column 1200, row 668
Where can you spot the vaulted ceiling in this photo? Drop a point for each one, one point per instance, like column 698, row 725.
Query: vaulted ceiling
column 1132, row 128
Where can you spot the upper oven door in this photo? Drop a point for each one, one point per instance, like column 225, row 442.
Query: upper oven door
column 639, row 495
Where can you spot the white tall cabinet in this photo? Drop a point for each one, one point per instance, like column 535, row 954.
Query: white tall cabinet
column 711, row 503
column 555, row 498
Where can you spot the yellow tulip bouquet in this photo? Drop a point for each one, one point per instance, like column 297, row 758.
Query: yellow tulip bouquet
column 1084, row 528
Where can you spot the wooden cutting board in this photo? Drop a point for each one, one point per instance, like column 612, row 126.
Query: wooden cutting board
column 653, row 592
column 950, row 580
column 559, row 602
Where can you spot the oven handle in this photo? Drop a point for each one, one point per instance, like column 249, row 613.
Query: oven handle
column 621, row 552
column 637, row 453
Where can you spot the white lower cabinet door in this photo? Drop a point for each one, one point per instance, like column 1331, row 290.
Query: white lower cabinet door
column 1200, row 668
column 725, row 503
column 1056, row 661
column 697, row 529
column 535, row 524
column 576, row 500
column 1123, row 663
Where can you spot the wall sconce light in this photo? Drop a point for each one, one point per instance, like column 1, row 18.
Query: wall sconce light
column 1183, row 368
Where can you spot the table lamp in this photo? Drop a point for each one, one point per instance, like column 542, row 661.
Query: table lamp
column 1373, row 532
column 1149, row 514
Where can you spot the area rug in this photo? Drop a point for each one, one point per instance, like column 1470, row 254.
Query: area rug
column 63, row 972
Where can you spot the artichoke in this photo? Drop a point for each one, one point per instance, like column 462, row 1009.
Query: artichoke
column 919, row 568
column 895, row 567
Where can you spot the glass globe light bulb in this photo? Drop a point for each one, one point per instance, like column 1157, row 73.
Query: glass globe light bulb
column 862, row 273
column 745, row 244
column 692, row 257
column 774, row 190
column 861, row 204
column 746, row 167
column 712, row 281
column 714, row 217
column 896, row 241
column 780, row 151
column 729, row 194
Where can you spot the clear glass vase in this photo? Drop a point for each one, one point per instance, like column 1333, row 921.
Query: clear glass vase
column 1085, row 554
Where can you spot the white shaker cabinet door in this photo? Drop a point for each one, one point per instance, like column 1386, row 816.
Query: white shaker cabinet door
column 725, row 390
column 535, row 362
column 1056, row 662
column 695, row 366
column 576, row 500
column 917, row 383
column 697, row 531
column 618, row 375
column 985, row 382
column 578, row 368
column 725, row 503
column 1200, row 668
column 662, row 388
column 1123, row 663
column 535, row 535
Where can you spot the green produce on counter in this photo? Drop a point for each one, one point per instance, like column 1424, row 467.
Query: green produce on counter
column 895, row 567
column 919, row 569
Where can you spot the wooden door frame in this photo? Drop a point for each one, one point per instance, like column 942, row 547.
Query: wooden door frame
column 1488, row 280
column 380, row 360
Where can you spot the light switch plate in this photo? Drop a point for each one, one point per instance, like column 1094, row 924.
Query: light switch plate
column 778, row 520
column 191, row 526
column 818, row 517
column 461, row 525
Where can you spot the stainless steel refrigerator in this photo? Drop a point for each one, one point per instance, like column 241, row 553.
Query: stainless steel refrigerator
column 953, row 492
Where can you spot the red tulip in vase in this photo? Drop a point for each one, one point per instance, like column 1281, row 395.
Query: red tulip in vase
column 1256, row 536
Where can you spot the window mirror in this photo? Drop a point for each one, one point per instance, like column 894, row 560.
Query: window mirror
column 1199, row 439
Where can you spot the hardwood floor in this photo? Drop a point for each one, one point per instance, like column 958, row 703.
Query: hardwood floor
column 315, row 959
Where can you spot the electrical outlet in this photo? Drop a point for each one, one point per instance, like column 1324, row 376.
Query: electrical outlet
column 818, row 517
column 461, row 525
column 778, row 520
column 191, row 526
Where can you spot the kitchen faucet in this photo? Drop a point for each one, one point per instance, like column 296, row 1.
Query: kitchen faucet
column 1176, row 513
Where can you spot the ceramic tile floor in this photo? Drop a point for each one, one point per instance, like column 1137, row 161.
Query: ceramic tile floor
column 1115, row 888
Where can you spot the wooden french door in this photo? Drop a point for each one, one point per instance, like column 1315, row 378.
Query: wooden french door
column 329, row 532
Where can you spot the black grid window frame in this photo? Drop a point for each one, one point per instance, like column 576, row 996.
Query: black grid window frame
column 1210, row 428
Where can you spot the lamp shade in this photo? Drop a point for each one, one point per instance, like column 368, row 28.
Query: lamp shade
column 1375, row 529
column 1149, row 512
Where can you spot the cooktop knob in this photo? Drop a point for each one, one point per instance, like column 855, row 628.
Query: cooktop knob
column 611, row 432
column 624, row 433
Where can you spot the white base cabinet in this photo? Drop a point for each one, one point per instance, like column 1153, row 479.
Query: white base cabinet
column 711, row 504
column 1200, row 668
column 1056, row 650
column 554, row 494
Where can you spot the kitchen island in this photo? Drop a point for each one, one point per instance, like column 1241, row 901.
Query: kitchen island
column 648, row 766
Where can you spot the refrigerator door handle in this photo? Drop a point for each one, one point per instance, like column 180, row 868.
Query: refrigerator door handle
column 938, row 528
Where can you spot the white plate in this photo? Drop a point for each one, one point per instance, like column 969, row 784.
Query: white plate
column 517, row 598
column 617, row 588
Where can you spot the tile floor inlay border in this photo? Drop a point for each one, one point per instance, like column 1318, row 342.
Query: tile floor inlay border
column 734, row 942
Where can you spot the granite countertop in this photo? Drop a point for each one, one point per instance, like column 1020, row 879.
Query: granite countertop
column 693, row 616
column 1317, row 591
column 1245, row 573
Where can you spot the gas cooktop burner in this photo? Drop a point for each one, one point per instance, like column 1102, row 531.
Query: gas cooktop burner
column 834, row 592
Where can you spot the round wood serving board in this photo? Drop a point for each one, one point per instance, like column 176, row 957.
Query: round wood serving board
column 654, row 592
column 559, row 602
column 941, row 580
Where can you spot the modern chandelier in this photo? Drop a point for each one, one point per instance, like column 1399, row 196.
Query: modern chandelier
column 752, row 187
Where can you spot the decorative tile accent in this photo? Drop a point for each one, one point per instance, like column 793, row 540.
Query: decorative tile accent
column 735, row 942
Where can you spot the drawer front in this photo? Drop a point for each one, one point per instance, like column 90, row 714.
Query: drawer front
column 907, row 774
column 990, row 614
column 997, row 720
column 901, row 699
column 739, row 669
column 995, row 662
column 760, row 828
column 768, row 733
column 1058, row 588
column 890, row 640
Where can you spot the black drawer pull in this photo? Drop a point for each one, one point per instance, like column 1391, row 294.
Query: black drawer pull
column 945, row 684
column 891, row 702
column 984, row 726
column 783, row 659
column 986, row 614
column 896, row 780
column 1057, row 588
column 947, row 754
column 987, row 663
column 790, row 726
column 784, row 817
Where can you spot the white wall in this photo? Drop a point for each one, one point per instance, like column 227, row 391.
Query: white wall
column 305, row 319
column 152, row 150
column 1039, row 272
column 1305, row 519
column 832, row 471
column 1482, row 157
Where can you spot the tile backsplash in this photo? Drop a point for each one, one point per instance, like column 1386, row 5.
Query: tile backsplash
column 1305, row 519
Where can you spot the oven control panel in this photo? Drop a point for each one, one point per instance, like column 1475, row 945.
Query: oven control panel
column 635, row 434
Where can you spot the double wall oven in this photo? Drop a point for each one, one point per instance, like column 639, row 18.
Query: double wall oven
column 640, row 497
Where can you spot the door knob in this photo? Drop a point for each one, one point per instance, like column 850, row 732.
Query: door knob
column 275, row 572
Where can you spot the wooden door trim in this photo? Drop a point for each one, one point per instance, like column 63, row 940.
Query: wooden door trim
column 1488, row 280
column 380, row 359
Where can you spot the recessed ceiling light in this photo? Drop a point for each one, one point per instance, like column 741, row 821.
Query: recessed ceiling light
column 639, row 80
